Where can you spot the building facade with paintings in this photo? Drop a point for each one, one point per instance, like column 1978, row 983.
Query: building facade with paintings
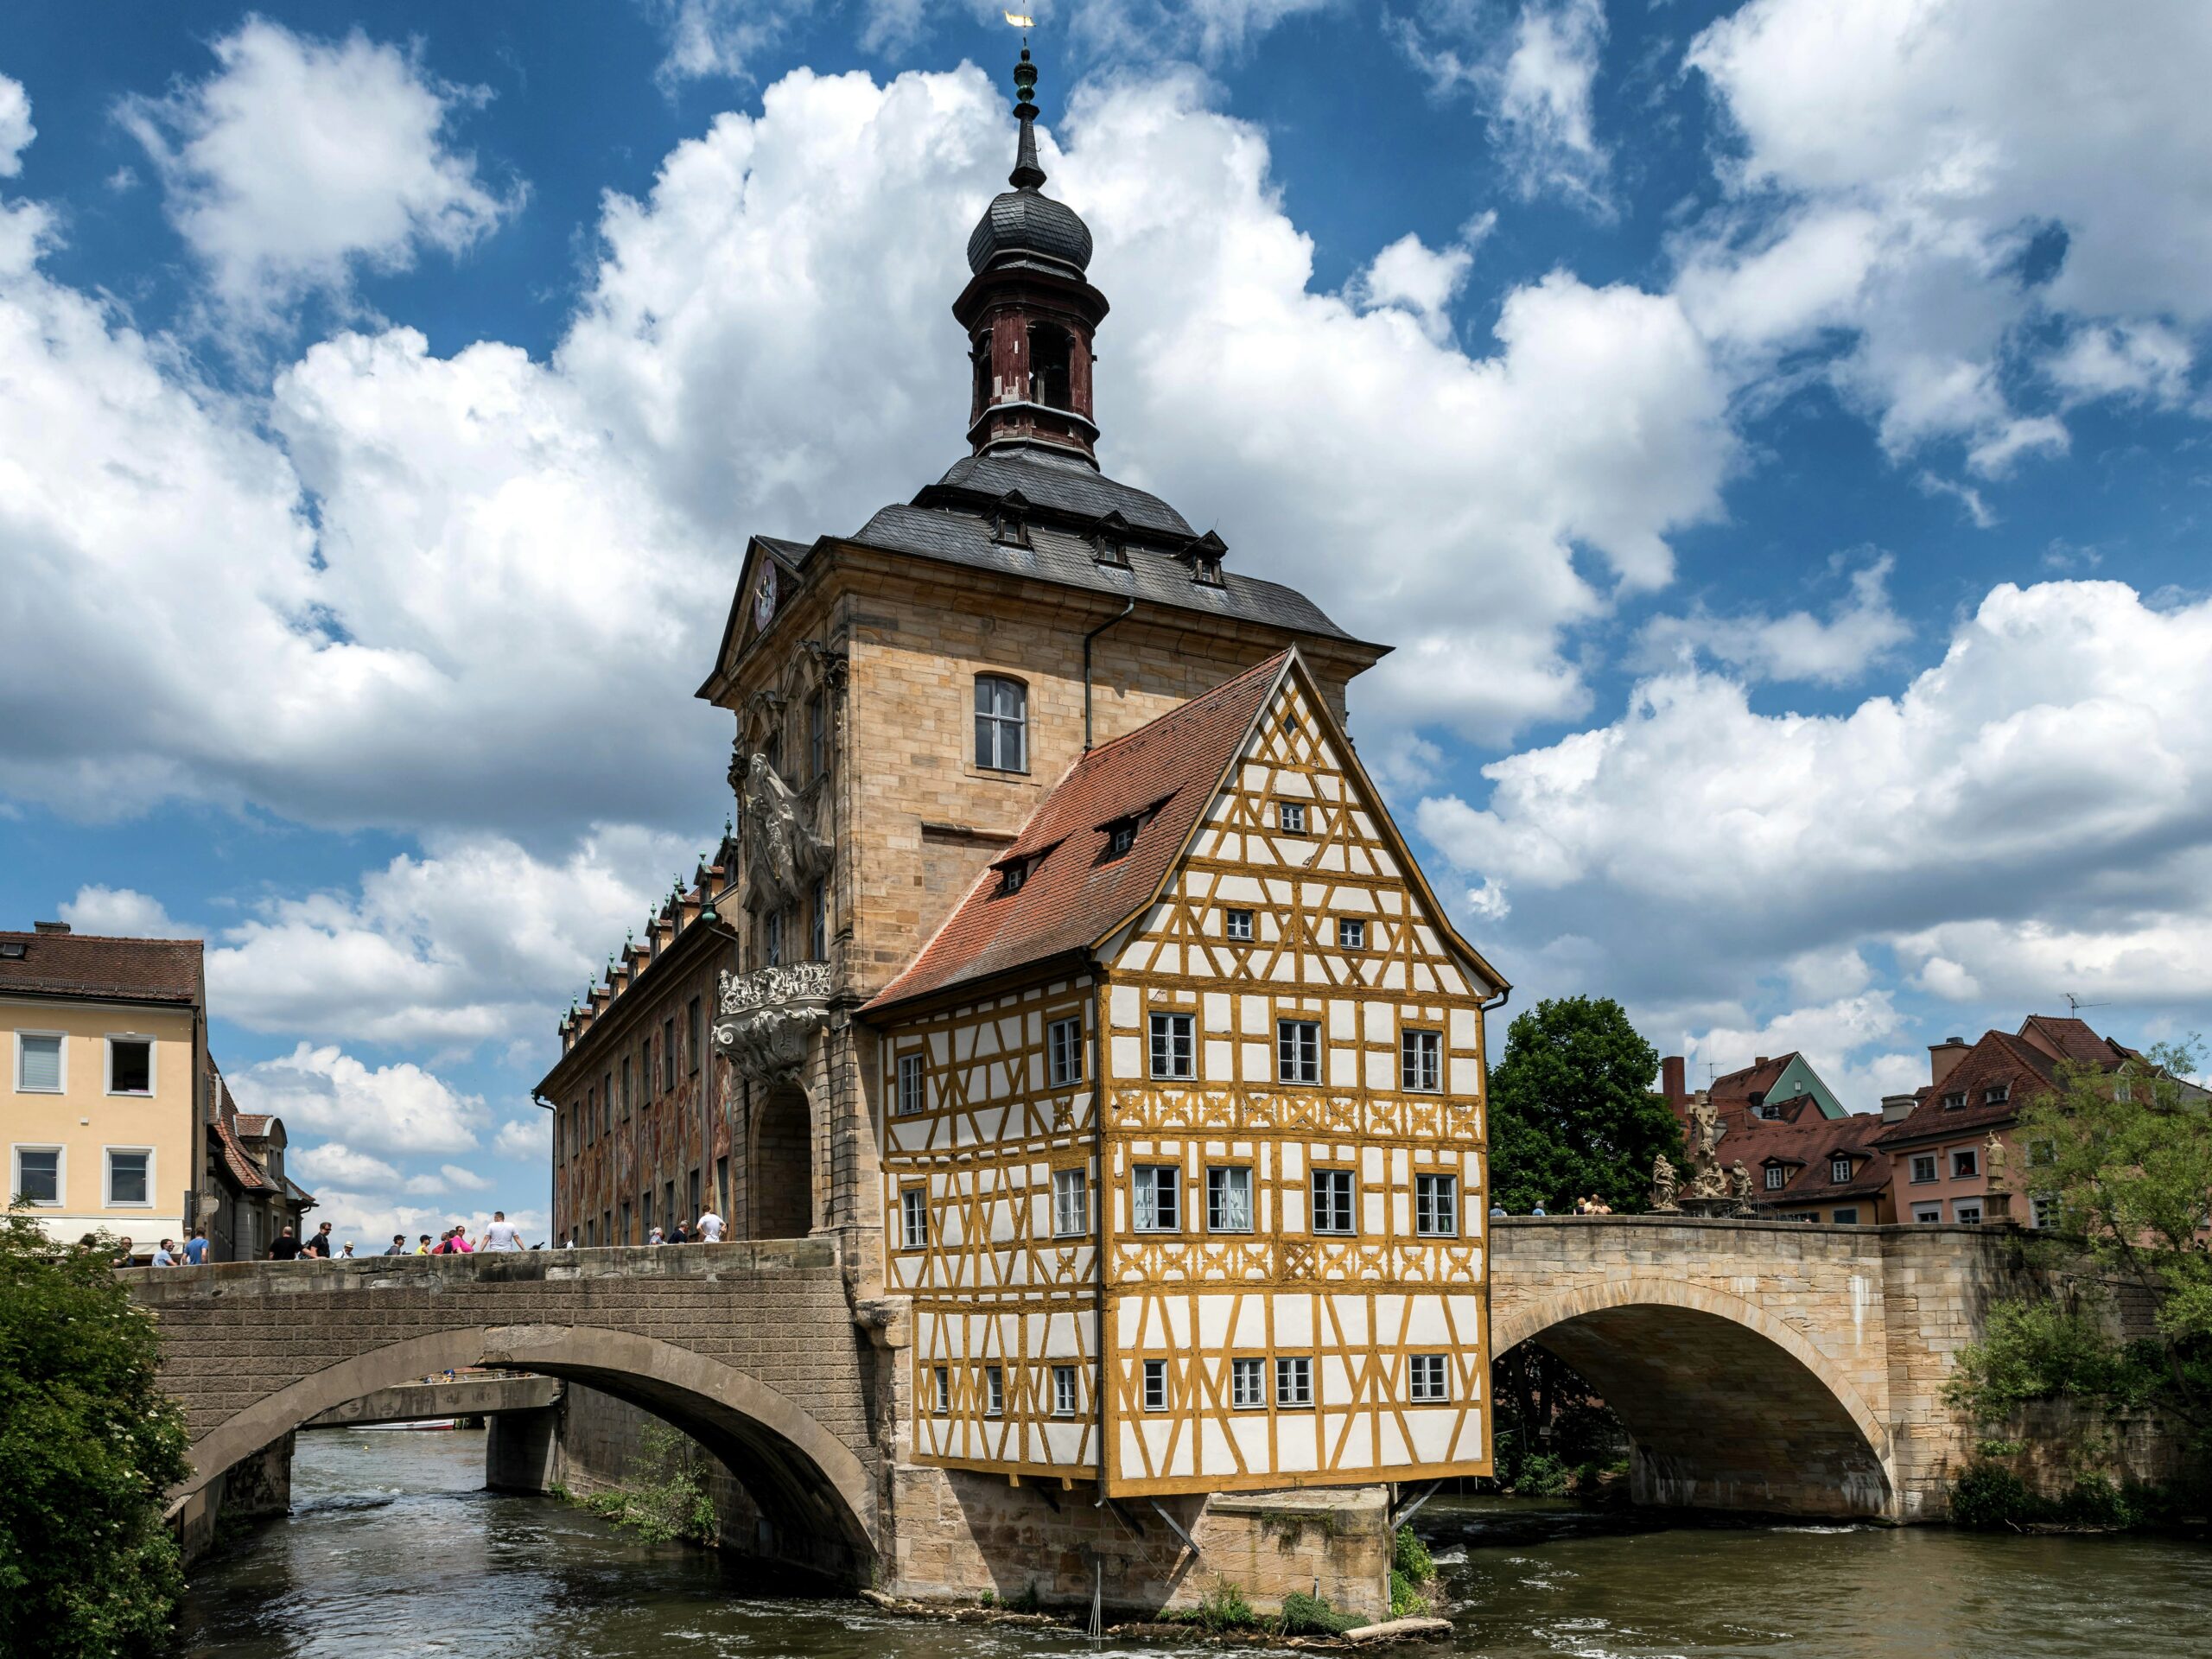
column 1067, row 969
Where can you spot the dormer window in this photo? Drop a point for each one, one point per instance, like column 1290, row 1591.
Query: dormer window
column 1205, row 556
column 1011, row 877
column 1954, row 1100
column 1996, row 1093
column 1010, row 520
column 1120, row 839
column 1777, row 1176
column 1839, row 1168
column 1109, row 543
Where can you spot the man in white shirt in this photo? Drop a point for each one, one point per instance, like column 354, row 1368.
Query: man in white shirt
column 500, row 1235
column 710, row 1227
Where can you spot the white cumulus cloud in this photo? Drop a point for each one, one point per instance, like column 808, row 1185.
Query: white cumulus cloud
column 122, row 912
column 16, row 129
column 399, row 1108
column 1858, row 632
column 300, row 157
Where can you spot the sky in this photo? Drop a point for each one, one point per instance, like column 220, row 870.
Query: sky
column 1771, row 436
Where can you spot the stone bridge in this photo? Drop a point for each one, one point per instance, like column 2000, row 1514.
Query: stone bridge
column 749, row 1348
column 1768, row 1366
column 1774, row 1366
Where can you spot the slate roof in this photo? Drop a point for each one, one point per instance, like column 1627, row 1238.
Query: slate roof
column 1073, row 895
column 1056, row 484
column 97, row 968
column 1067, row 558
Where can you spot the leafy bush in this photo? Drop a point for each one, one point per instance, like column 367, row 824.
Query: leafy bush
column 1223, row 1608
column 1304, row 1615
column 90, row 1446
column 1544, row 1476
column 2095, row 1502
column 1989, row 1495
column 1411, row 1557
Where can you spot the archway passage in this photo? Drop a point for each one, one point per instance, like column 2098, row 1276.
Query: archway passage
column 1722, row 1414
column 817, row 1494
column 782, row 1177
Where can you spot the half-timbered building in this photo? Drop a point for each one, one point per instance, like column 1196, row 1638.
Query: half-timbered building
column 1071, row 978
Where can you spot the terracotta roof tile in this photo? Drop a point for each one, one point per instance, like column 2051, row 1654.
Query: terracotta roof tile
column 1073, row 893
column 95, row 966
column 1811, row 1144
column 247, row 1173
column 2023, row 1069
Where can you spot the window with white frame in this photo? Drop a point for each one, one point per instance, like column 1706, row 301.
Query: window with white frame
column 1174, row 1047
column 1924, row 1166
column 1064, row 1053
column 1002, row 723
column 1293, row 1381
column 1291, row 816
column 1421, row 1061
column 1966, row 1211
column 1228, row 1198
column 1996, row 1093
column 994, row 1391
column 1155, row 1190
column 1436, row 1207
column 1120, row 837
column 1248, row 1389
column 1333, row 1201
column 1965, row 1161
column 1298, row 1051
column 1237, row 924
column 1429, row 1379
column 942, row 1390
column 1071, row 1203
column 1156, row 1385
column 129, row 1176
column 1846, row 1218
column 38, row 1063
column 130, row 1065
column 1777, row 1176
column 38, row 1175
column 913, row 1089
column 1064, row 1400
column 1926, row 1212
column 1839, row 1168
column 1351, row 933
column 913, row 1218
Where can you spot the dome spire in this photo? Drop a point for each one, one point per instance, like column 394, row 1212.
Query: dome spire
column 1026, row 174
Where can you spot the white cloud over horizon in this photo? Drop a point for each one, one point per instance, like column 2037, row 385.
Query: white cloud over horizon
column 399, row 1108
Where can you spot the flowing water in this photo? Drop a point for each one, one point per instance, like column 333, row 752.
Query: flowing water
column 393, row 1551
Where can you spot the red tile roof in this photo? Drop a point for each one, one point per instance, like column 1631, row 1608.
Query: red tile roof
column 1809, row 1145
column 1072, row 894
column 252, row 1125
column 97, row 968
column 246, row 1172
column 2025, row 1065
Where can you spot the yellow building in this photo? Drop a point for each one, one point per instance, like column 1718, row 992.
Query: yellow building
column 106, row 1042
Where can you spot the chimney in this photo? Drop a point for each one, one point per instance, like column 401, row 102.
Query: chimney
column 1760, row 1061
column 50, row 927
column 1670, row 1078
column 1942, row 1056
column 1895, row 1107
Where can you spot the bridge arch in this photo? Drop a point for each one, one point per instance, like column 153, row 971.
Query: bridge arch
column 820, row 1492
column 1729, row 1406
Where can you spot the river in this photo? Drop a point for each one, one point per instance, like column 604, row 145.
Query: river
column 394, row 1551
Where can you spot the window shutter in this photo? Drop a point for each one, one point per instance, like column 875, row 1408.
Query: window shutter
column 43, row 1064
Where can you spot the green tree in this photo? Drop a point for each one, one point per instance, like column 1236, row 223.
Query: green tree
column 88, row 1446
column 1572, row 1114
column 2128, row 1158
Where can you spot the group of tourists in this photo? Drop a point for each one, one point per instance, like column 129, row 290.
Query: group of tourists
column 498, row 1235
column 707, row 1230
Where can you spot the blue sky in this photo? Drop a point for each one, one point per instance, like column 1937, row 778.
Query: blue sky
column 1773, row 437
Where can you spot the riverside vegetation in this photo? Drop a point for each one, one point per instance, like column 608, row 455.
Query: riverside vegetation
column 666, row 1500
column 2128, row 1160
column 88, row 1444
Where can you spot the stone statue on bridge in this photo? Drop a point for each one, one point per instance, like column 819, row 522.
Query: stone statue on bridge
column 1664, row 1182
column 1739, row 1188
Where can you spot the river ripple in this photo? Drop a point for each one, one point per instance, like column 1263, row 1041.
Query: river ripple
column 395, row 1551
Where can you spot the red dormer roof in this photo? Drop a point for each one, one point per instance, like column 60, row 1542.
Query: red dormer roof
column 1808, row 1147
column 1071, row 894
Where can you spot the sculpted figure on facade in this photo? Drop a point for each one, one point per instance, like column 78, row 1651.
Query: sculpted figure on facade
column 783, row 855
column 765, row 1018
column 1993, row 1157
column 1707, row 1181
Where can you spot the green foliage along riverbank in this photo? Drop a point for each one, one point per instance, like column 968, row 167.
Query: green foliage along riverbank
column 88, row 1446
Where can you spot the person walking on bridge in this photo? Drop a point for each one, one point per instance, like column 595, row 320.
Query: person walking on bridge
column 285, row 1247
column 196, row 1247
column 710, row 1229
column 398, row 1245
column 320, row 1245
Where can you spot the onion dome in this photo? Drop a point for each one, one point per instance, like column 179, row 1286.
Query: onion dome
column 1023, row 224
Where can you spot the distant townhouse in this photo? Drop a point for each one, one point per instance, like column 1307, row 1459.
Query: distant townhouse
column 1778, row 1089
column 1937, row 1137
column 1810, row 1159
column 115, row 1115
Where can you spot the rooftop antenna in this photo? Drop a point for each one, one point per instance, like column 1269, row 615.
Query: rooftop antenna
column 2074, row 1004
